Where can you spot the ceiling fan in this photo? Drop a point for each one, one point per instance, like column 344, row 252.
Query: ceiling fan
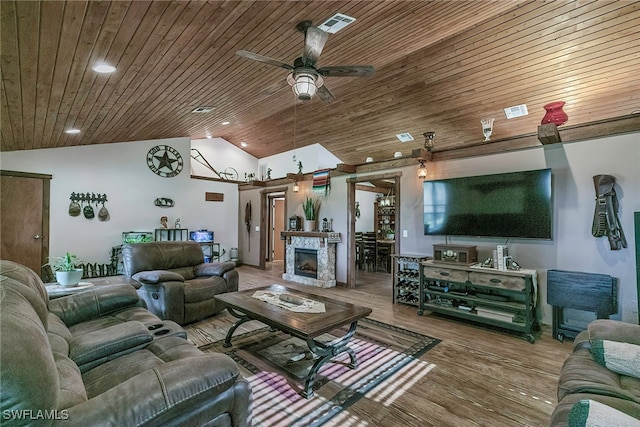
column 305, row 78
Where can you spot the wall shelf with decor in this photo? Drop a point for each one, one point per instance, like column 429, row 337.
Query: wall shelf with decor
column 502, row 298
column 384, row 217
column 406, row 278
column 163, row 234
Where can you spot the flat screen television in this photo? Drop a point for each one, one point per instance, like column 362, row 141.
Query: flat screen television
column 509, row 205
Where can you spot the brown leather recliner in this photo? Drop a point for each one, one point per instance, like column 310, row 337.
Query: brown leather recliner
column 175, row 282
column 97, row 358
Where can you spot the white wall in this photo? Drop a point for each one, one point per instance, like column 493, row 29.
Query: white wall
column 120, row 170
column 573, row 247
column 367, row 217
column 220, row 154
column 313, row 157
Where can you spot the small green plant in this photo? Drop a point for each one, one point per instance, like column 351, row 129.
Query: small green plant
column 64, row 263
column 311, row 206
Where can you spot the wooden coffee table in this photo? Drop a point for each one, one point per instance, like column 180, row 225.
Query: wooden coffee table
column 306, row 326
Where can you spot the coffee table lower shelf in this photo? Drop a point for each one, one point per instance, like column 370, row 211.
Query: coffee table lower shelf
column 325, row 351
column 305, row 326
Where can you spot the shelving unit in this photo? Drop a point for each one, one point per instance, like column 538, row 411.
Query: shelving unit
column 384, row 217
column 211, row 250
column 406, row 278
column 505, row 299
column 162, row 234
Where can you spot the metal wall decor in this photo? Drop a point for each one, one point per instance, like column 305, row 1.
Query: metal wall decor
column 83, row 203
column 164, row 202
column 605, row 218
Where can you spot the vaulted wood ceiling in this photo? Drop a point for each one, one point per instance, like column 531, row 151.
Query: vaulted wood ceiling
column 440, row 66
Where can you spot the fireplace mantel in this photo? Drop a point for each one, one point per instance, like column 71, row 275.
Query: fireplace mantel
column 331, row 236
column 324, row 243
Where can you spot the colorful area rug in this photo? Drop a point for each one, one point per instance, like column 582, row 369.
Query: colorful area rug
column 276, row 364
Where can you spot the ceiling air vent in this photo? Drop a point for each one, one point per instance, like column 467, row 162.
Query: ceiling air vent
column 404, row 137
column 336, row 23
column 203, row 110
column 517, row 111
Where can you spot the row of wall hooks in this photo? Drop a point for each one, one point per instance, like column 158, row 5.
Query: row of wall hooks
column 82, row 203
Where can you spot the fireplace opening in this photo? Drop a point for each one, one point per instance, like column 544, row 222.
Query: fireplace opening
column 306, row 262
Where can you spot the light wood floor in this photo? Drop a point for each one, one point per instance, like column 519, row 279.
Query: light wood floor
column 474, row 377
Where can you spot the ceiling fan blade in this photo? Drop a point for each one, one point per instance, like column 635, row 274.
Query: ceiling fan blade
column 266, row 60
column 314, row 40
column 347, row 71
column 325, row 94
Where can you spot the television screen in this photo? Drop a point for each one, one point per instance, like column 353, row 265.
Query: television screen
column 516, row 204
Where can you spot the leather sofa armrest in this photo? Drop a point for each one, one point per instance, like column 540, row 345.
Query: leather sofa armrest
column 94, row 303
column 94, row 348
column 157, row 276
column 214, row 268
column 614, row 330
column 187, row 391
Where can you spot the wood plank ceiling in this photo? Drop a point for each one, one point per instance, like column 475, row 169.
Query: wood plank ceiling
column 440, row 66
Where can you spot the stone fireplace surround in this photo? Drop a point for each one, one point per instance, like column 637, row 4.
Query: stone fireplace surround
column 325, row 244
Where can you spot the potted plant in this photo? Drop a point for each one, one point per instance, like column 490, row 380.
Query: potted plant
column 389, row 234
column 310, row 207
column 67, row 269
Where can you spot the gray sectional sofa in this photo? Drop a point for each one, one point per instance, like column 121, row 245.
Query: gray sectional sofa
column 99, row 358
column 601, row 378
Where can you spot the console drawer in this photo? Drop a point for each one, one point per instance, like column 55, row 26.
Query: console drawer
column 512, row 283
column 443, row 273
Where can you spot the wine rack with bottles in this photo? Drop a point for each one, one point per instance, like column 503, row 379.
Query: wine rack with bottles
column 406, row 278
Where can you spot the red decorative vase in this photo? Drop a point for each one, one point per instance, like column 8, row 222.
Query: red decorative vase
column 555, row 114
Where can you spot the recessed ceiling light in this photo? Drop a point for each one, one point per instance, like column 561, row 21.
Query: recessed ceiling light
column 104, row 68
column 209, row 136
column 72, row 131
column 226, row 123
column 244, row 144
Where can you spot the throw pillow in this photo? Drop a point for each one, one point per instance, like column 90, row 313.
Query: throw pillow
column 622, row 358
column 589, row 413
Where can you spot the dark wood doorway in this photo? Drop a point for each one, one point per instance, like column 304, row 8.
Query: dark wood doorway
column 24, row 218
column 266, row 231
column 351, row 218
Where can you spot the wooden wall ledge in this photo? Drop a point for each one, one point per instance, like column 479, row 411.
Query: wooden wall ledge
column 566, row 134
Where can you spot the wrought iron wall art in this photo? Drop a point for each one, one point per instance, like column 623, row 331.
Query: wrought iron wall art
column 164, row 202
column 83, row 203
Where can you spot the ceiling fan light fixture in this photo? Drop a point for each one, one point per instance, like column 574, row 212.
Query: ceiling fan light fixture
column 304, row 85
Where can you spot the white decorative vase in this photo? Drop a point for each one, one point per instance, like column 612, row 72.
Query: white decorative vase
column 309, row 225
column 69, row 278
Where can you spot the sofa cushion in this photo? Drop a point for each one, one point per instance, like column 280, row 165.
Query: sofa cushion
column 59, row 335
column 214, row 268
column 613, row 330
column 620, row 357
column 160, row 256
column 25, row 344
column 157, row 276
column 72, row 390
column 114, row 372
column 582, row 374
column 90, row 349
column 203, row 289
column 590, row 413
